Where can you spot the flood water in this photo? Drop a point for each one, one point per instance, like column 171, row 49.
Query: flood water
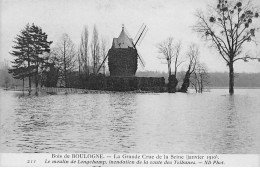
column 212, row 122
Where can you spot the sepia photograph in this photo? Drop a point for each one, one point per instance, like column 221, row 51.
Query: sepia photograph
column 120, row 83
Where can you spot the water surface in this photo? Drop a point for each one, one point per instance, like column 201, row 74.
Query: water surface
column 207, row 123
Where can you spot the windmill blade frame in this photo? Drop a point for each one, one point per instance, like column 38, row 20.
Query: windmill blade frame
column 103, row 62
column 138, row 33
column 141, row 34
column 141, row 59
column 142, row 37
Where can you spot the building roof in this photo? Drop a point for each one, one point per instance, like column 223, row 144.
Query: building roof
column 123, row 41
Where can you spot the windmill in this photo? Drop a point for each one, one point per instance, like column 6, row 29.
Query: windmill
column 123, row 56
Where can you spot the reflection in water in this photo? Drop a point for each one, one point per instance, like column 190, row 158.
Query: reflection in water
column 234, row 134
column 131, row 123
column 231, row 125
column 121, row 127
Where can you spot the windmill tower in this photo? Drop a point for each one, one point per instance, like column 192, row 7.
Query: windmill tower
column 123, row 55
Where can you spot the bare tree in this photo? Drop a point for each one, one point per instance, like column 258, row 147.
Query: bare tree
column 95, row 49
column 200, row 77
column 103, row 53
column 166, row 49
column 177, row 62
column 228, row 26
column 64, row 55
column 170, row 51
column 83, row 54
column 203, row 77
column 192, row 56
column 195, row 81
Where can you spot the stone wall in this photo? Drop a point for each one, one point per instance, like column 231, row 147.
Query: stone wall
column 154, row 84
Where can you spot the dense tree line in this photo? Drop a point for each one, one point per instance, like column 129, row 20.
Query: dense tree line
column 62, row 65
column 74, row 65
column 216, row 79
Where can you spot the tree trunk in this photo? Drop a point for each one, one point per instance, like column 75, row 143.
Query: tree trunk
column 65, row 77
column 196, row 89
column 23, row 86
column 172, row 84
column 30, row 82
column 65, row 69
column 201, row 85
column 186, row 81
column 175, row 69
column 198, row 83
column 231, row 78
column 169, row 69
column 37, row 80
column 94, row 61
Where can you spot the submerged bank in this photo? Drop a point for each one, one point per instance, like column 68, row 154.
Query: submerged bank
column 64, row 91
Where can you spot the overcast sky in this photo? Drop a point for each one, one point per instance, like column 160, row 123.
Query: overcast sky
column 163, row 18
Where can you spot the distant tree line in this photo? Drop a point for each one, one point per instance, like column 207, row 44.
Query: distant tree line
column 241, row 79
column 215, row 79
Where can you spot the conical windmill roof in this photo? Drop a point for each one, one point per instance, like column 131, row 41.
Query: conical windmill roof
column 123, row 41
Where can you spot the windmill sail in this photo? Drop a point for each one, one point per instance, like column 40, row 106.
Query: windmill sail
column 141, row 60
column 138, row 33
column 142, row 32
column 140, row 41
column 139, row 38
column 103, row 62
